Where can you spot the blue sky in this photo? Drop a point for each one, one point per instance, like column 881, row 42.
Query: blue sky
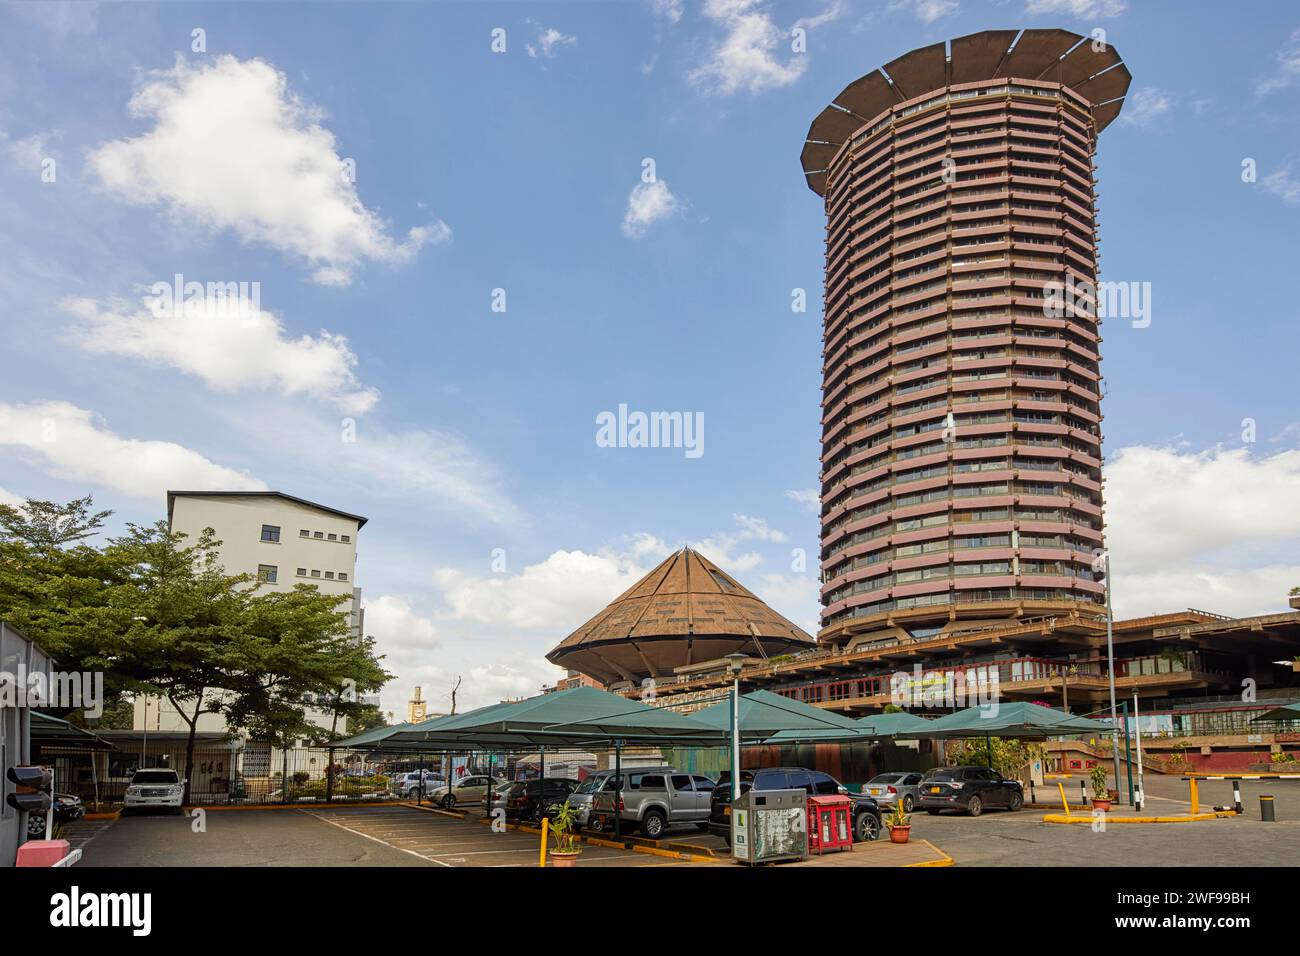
column 520, row 171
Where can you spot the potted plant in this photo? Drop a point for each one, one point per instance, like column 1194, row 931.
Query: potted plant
column 900, row 824
column 1295, row 598
column 1100, row 791
column 564, row 828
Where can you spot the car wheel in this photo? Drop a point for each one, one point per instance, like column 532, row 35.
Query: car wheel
column 449, row 802
column 908, row 804
column 596, row 824
column 975, row 806
column 653, row 824
column 866, row 828
column 1017, row 800
column 35, row 826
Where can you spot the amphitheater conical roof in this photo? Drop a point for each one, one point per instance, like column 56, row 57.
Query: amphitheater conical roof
column 685, row 611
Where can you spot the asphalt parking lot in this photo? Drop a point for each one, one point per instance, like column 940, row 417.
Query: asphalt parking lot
column 361, row 836
column 404, row 836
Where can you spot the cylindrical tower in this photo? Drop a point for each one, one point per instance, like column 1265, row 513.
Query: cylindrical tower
column 961, row 418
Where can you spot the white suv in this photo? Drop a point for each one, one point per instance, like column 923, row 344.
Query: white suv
column 155, row 788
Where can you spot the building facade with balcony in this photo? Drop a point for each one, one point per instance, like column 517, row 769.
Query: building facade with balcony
column 961, row 417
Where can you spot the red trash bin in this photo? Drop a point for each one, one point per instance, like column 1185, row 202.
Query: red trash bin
column 830, row 823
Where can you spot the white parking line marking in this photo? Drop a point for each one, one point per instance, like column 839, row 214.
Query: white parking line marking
column 375, row 839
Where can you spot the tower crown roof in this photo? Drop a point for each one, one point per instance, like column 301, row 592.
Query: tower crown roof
column 1056, row 56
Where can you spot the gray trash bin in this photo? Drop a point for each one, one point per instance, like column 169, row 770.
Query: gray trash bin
column 770, row 825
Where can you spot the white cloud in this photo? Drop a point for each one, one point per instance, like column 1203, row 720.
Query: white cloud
column 810, row 498
column 670, row 10
column 648, row 203
column 1211, row 529
column 1284, row 184
column 1287, row 70
column 74, row 444
column 232, row 148
column 1081, row 9
column 829, row 15
column 230, row 343
column 30, row 152
column 927, row 11
column 11, row 499
column 548, row 41
column 1145, row 106
column 721, row 548
column 397, row 629
column 559, row 593
column 428, row 468
column 746, row 57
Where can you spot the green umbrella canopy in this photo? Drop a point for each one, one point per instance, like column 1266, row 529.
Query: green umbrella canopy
column 781, row 719
column 893, row 725
column 1017, row 719
column 56, row 731
column 575, row 717
column 1285, row 712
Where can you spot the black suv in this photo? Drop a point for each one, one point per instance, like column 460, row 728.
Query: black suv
column 973, row 789
column 866, row 814
column 533, row 799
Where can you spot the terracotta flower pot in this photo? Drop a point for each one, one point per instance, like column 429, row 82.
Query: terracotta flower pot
column 900, row 834
column 1100, row 804
column 563, row 859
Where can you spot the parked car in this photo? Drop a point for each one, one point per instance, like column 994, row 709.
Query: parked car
column 408, row 784
column 67, row 807
column 581, row 800
column 154, row 788
column 533, row 799
column 467, row 791
column 972, row 789
column 866, row 812
column 888, row 788
column 654, row 800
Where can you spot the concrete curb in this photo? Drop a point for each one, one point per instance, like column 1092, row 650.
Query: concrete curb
column 945, row 860
column 1184, row 818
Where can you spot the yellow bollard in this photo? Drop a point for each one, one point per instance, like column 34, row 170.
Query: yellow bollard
column 545, row 825
column 1064, row 802
column 1196, row 798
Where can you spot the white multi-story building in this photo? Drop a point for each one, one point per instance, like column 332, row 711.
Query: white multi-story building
column 283, row 541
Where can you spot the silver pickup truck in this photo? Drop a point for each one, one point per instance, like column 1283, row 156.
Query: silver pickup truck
column 655, row 799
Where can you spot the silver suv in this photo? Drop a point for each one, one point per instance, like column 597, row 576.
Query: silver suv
column 655, row 799
column 600, row 781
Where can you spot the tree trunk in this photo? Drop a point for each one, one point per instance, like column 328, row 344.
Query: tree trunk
column 329, row 762
column 193, row 723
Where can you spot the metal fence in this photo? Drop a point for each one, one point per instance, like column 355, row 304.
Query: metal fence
column 251, row 774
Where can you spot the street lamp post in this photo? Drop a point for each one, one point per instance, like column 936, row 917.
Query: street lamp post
column 735, row 662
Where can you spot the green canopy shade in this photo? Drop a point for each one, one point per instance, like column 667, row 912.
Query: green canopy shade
column 1285, row 712
column 780, row 719
column 1018, row 719
column 55, row 731
column 577, row 717
column 580, row 712
column 893, row 725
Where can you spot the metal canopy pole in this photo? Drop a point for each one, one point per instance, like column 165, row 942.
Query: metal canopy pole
column 1137, row 733
column 618, row 787
column 1128, row 755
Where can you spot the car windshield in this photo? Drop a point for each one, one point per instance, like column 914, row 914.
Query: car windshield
column 155, row 776
column 886, row 778
column 941, row 775
column 589, row 785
